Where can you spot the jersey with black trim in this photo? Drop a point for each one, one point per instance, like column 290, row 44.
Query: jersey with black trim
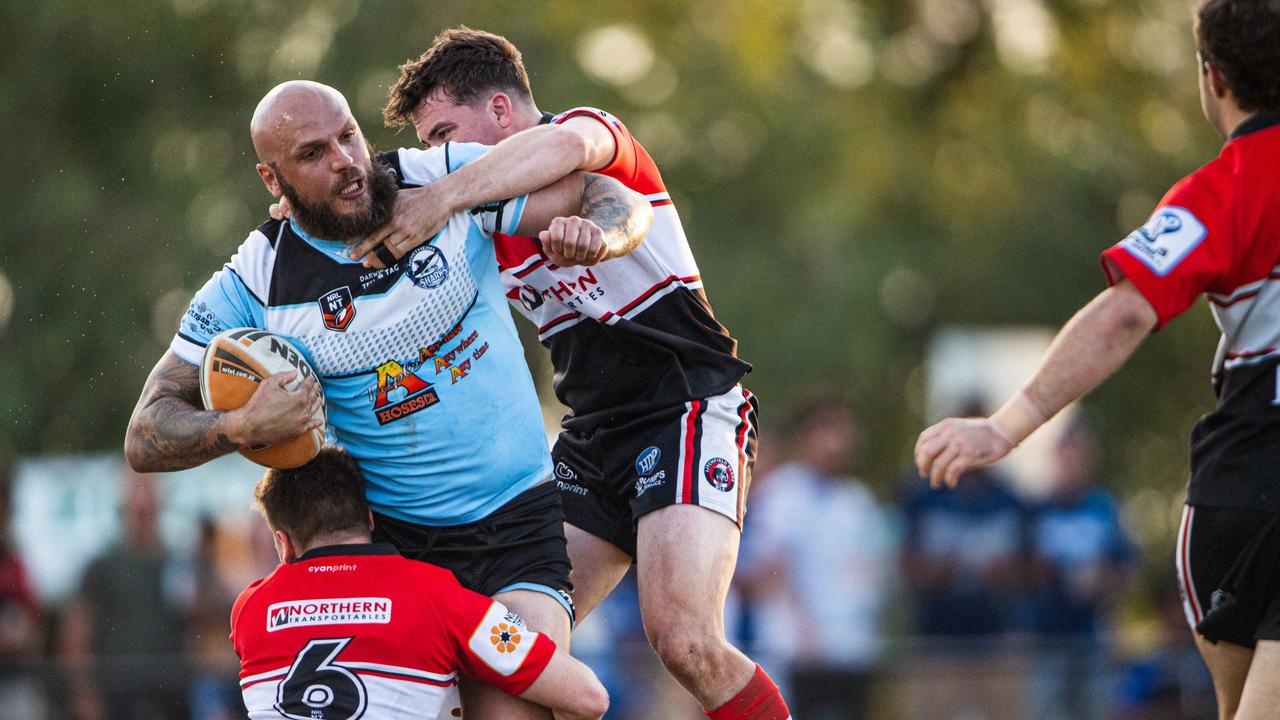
column 1217, row 233
column 632, row 334
column 424, row 376
column 357, row 631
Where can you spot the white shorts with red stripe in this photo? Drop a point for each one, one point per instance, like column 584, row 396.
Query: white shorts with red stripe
column 699, row 453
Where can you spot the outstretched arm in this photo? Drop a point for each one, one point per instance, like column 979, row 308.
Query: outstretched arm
column 586, row 218
column 170, row 430
column 519, row 165
column 1088, row 349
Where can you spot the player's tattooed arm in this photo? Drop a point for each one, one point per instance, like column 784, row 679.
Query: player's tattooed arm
column 622, row 215
column 585, row 218
column 170, row 429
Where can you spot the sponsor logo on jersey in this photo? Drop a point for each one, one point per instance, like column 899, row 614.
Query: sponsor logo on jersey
column 201, row 320
column 1168, row 237
column 400, row 393
column 337, row 308
column 329, row 611
column 502, row 640
column 530, row 297
column 647, row 460
column 646, row 464
column 427, row 267
column 649, row 482
column 719, row 474
column 565, row 472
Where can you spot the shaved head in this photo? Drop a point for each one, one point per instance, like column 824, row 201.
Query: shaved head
column 287, row 111
column 310, row 150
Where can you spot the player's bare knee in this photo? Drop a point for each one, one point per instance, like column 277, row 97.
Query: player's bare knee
column 686, row 651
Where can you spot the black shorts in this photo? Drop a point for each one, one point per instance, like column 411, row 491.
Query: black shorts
column 520, row 546
column 1228, row 562
column 699, row 453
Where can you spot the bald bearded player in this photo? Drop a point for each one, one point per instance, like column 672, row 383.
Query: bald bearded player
column 423, row 374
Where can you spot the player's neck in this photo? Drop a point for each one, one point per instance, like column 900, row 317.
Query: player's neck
column 525, row 117
column 335, row 539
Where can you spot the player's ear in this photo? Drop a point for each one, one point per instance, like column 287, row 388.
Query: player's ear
column 284, row 547
column 1217, row 81
column 270, row 179
column 500, row 107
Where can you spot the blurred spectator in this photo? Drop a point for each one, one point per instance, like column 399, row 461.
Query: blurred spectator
column 817, row 560
column 123, row 630
column 214, row 693
column 1080, row 557
column 21, row 692
column 964, row 562
column 1171, row 682
column 964, row 556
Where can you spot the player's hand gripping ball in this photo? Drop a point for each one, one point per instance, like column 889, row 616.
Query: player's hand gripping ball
column 235, row 364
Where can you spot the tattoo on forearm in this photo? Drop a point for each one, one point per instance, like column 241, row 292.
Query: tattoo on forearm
column 618, row 213
column 170, row 429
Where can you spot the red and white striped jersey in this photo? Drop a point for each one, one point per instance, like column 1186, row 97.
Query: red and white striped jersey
column 641, row 320
column 356, row 631
column 1217, row 232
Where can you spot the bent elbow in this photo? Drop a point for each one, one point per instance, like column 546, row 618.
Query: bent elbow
column 592, row 704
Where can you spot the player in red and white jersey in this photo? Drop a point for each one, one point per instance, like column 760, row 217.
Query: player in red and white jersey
column 1215, row 233
column 660, row 431
column 345, row 628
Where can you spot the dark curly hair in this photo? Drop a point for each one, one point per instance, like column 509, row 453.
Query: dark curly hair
column 464, row 63
column 323, row 497
column 1241, row 38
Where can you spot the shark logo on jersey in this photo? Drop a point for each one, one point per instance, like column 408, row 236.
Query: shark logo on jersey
column 1169, row 236
column 337, row 308
column 427, row 267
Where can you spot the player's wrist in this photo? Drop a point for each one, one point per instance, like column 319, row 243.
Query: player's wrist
column 1017, row 419
column 235, row 426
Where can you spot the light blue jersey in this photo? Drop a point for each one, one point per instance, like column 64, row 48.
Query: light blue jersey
column 424, row 376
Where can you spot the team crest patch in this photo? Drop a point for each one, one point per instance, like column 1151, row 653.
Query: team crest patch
column 1169, row 236
column 427, row 267
column 502, row 640
column 505, row 637
column 719, row 474
column 338, row 308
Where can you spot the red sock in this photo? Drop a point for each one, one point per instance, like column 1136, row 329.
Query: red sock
column 759, row 700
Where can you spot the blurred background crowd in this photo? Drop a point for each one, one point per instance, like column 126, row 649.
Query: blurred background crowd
column 891, row 201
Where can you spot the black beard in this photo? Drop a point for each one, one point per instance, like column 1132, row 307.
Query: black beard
column 321, row 221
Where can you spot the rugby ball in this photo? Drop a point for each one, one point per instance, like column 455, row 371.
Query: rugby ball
column 234, row 363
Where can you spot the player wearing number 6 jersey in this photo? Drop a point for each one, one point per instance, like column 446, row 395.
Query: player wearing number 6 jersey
column 346, row 629
column 1216, row 233
column 656, row 454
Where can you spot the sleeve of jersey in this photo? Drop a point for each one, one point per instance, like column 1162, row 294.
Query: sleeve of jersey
column 623, row 164
column 495, row 217
column 232, row 298
column 495, row 645
column 1181, row 251
column 418, row 166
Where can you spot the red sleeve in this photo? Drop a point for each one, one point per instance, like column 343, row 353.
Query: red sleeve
column 1183, row 250
column 236, row 611
column 624, row 165
column 493, row 644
